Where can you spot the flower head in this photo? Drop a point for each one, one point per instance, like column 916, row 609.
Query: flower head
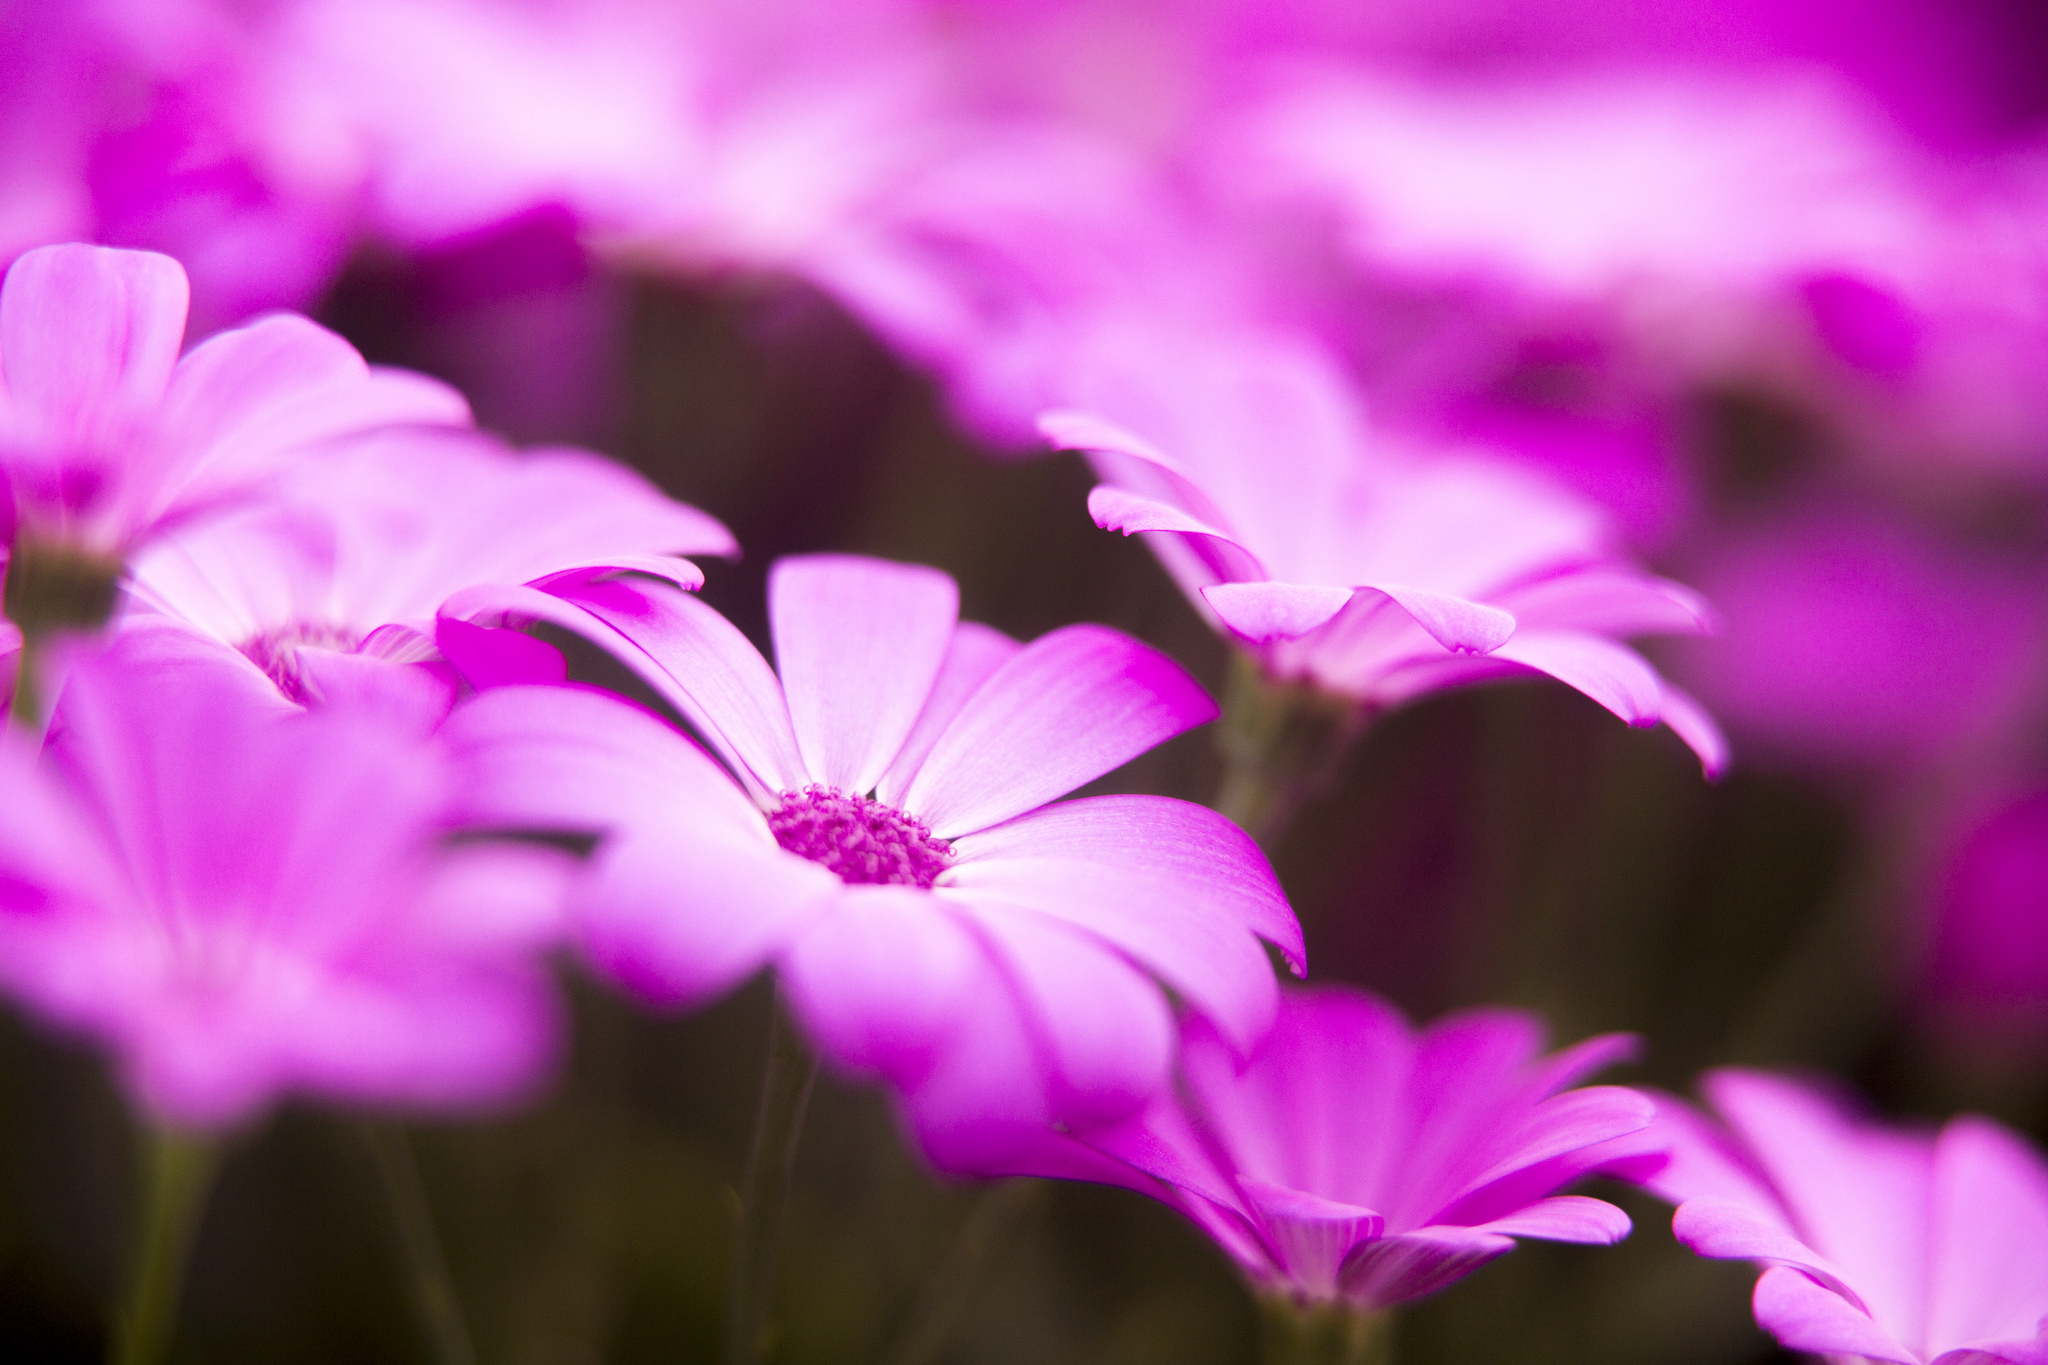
column 347, row 562
column 108, row 437
column 1374, row 572
column 244, row 899
column 882, row 837
column 1356, row 1159
column 1880, row 1243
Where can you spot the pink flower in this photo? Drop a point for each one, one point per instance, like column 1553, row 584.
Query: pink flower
column 1879, row 1243
column 107, row 437
column 1986, row 976
column 346, row 564
column 883, row 838
column 1356, row 1159
column 1338, row 557
column 242, row 899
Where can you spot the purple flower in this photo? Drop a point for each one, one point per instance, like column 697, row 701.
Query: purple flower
column 243, row 899
column 107, row 436
column 347, row 562
column 1880, row 1243
column 883, row 838
column 1337, row 557
column 1356, row 1159
column 1986, row 975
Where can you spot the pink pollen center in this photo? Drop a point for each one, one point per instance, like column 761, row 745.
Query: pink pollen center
column 863, row 841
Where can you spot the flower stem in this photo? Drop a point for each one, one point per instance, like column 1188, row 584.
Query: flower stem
column 423, row 1256
column 51, row 588
column 25, row 707
column 778, row 1125
column 1282, row 743
column 945, row 1298
column 1296, row 1333
column 178, row 1171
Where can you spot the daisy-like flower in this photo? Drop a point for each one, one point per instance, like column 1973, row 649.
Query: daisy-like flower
column 1336, row 558
column 1354, row 1160
column 1879, row 1243
column 242, row 899
column 882, row 836
column 343, row 568
column 108, row 437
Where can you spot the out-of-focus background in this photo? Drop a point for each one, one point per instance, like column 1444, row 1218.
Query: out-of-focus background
column 1767, row 282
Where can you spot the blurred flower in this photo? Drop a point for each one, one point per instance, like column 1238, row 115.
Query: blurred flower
column 1339, row 558
column 173, row 125
column 1852, row 637
column 1879, row 1243
column 245, row 900
column 1987, row 968
column 884, row 839
column 1355, row 1159
column 107, row 437
column 347, row 562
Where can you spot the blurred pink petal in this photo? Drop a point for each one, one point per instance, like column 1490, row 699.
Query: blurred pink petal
column 1893, row 1244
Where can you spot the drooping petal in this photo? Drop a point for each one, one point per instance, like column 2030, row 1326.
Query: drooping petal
column 88, row 331
column 1701, row 732
column 972, row 657
column 1177, row 887
column 1407, row 1266
column 1610, row 602
column 1263, row 612
column 1806, row 1316
column 982, row 1102
column 1722, row 1228
column 1223, row 555
column 1456, row 623
column 1614, row 675
column 1565, row 1218
column 1069, row 707
column 858, row 645
column 1312, row 1234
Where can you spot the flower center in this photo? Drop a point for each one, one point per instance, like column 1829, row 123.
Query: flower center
column 276, row 652
column 863, row 841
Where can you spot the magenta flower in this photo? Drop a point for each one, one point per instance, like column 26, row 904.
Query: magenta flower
column 883, row 838
column 1337, row 557
column 1879, row 1243
column 242, row 899
column 1356, row 1159
column 107, row 437
column 347, row 562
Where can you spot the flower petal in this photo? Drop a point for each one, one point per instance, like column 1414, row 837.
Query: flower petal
column 1456, row 623
column 1610, row 601
column 1805, row 1316
column 1396, row 1269
column 678, row 913
column 1179, row 888
column 1614, row 675
column 1105, row 1028
column 883, row 981
column 88, row 331
column 1069, row 707
column 1263, row 612
column 1565, row 1218
column 972, row 658
column 1312, row 1234
column 858, row 645
column 1990, row 1267
column 1701, row 732
column 696, row 659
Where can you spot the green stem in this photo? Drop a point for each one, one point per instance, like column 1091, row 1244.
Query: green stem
column 1296, row 1333
column 178, row 1172
column 1282, row 744
column 25, row 707
column 951, row 1288
column 423, row 1255
column 778, row 1126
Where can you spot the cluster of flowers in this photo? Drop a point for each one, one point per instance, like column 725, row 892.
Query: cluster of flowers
column 296, row 806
